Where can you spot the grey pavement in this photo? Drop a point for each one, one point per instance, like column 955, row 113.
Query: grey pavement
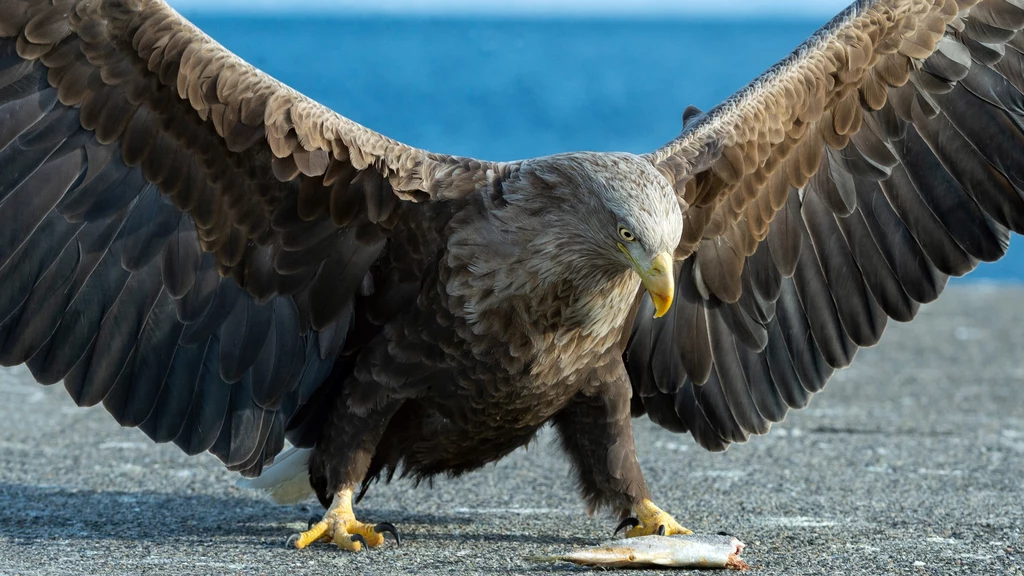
column 911, row 462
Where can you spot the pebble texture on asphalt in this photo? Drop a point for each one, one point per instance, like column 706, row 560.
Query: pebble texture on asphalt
column 911, row 462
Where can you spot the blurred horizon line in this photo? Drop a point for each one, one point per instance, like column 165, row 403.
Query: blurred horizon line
column 526, row 8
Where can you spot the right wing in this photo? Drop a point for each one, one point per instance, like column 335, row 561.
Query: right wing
column 181, row 236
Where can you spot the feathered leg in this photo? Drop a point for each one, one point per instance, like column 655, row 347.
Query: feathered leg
column 337, row 466
column 597, row 433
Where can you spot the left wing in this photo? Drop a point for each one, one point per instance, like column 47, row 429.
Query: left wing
column 838, row 190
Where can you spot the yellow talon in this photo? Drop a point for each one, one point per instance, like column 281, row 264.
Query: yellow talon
column 314, row 534
column 652, row 520
column 340, row 526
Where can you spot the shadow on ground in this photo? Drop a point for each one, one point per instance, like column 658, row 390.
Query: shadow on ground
column 33, row 513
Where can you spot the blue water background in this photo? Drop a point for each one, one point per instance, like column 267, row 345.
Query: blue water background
column 504, row 89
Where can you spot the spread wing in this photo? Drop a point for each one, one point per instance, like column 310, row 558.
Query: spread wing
column 837, row 191
column 182, row 237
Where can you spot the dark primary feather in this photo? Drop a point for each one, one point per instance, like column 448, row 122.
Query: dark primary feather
column 920, row 178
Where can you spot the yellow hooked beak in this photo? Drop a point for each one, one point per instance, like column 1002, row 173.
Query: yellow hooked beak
column 659, row 279
column 660, row 282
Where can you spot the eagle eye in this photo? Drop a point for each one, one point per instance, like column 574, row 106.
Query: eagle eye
column 626, row 235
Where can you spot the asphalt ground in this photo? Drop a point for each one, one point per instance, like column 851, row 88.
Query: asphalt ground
column 911, row 462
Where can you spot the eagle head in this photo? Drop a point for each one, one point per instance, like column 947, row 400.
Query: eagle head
column 607, row 213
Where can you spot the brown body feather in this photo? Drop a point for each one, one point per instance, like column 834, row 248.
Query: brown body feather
column 501, row 338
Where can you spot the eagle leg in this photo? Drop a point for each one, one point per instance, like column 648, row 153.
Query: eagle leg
column 650, row 520
column 339, row 525
column 597, row 432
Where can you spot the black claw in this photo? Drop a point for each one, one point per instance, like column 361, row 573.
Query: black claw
column 661, row 530
column 312, row 520
column 359, row 538
column 630, row 522
column 388, row 527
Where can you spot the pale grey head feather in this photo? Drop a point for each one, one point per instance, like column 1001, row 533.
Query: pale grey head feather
column 588, row 195
column 555, row 222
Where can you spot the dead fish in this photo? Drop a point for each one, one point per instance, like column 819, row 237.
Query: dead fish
column 690, row 551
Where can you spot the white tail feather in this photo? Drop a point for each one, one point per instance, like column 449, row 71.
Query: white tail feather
column 286, row 481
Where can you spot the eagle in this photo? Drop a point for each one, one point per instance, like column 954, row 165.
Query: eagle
column 228, row 265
